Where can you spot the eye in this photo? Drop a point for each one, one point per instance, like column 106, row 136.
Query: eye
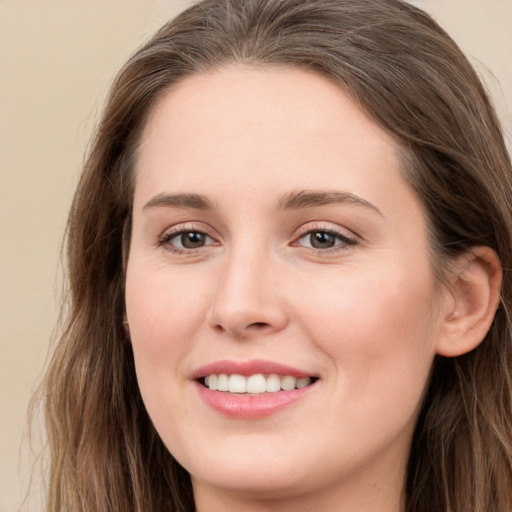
column 322, row 239
column 185, row 240
column 190, row 239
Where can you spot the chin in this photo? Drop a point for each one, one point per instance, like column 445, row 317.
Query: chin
column 252, row 472
column 255, row 483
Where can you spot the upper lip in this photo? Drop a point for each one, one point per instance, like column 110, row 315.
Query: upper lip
column 247, row 368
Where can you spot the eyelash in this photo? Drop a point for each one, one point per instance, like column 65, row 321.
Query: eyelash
column 165, row 239
column 344, row 241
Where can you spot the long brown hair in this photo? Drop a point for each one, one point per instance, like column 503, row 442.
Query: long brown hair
column 411, row 78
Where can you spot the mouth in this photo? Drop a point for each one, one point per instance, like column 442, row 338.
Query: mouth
column 253, row 389
column 256, row 384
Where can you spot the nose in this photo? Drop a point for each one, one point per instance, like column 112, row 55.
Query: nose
column 247, row 301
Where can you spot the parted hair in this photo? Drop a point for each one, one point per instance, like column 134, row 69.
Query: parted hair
column 410, row 77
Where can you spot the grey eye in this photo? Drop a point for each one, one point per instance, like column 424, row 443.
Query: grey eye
column 190, row 239
column 322, row 240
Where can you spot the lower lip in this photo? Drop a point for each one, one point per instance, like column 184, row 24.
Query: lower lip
column 245, row 406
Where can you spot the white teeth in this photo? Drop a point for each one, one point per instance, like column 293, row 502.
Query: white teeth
column 288, row 383
column 222, row 382
column 273, row 383
column 303, row 382
column 237, row 384
column 212, row 382
column 255, row 384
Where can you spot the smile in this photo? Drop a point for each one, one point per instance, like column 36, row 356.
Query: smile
column 252, row 389
column 255, row 384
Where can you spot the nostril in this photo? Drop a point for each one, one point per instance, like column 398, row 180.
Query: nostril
column 258, row 325
column 255, row 327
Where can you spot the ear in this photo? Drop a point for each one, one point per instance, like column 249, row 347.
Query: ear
column 473, row 293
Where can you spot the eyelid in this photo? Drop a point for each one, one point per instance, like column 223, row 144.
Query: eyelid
column 186, row 227
column 349, row 239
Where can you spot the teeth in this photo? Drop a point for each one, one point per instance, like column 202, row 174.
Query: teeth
column 303, row 382
column 237, row 384
column 288, row 383
column 213, row 382
column 273, row 383
column 222, row 382
column 255, row 384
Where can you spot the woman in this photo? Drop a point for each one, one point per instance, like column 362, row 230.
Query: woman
column 288, row 260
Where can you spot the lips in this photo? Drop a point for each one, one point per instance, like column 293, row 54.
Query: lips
column 251, row 390
column 248, row 368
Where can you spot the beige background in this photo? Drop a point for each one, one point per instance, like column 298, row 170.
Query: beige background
column 57, row 59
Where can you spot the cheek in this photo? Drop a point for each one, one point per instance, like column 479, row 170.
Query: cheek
column 161, row 299
column 164, row 311
column 378, row 330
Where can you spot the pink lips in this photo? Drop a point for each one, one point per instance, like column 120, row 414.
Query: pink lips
column 248, row 368
column 245, row 406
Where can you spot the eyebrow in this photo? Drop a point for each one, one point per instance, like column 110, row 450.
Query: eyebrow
column 308, row 199
column 196, row 201
column 291, row 201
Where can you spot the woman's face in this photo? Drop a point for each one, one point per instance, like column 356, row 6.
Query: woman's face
column 275, row 245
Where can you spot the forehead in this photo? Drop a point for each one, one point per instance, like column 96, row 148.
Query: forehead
column 248, row 128
column 255, row 98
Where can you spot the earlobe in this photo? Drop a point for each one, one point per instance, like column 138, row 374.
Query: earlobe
column 474, row 294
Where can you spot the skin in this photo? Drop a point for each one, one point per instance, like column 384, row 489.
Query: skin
column 365, row 317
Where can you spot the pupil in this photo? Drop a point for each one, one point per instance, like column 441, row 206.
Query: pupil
column 192, row 240
column 322, row 240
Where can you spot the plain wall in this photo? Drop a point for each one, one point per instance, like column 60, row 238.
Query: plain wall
column 57, row 59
